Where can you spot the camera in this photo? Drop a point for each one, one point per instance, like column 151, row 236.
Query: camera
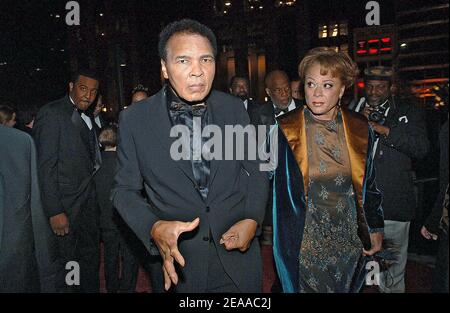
column 377, row 115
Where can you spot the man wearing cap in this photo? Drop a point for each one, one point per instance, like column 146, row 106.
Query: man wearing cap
column 402, row 137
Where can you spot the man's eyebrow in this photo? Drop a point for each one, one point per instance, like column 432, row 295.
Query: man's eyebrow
column 207, row 56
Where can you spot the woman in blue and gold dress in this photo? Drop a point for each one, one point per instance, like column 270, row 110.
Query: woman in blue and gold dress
column 327, row 209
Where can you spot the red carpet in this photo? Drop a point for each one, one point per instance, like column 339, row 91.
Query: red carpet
column 418, row 276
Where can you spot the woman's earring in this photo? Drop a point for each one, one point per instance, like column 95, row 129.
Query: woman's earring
column 339, row 103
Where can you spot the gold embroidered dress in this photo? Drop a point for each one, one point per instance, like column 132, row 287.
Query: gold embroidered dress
column 330, row 249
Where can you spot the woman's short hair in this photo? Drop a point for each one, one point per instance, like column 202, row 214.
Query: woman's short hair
column 339, row 63
column 108, row 136
column 6, row 113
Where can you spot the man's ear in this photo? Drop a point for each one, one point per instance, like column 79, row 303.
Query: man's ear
column 267, row 91
column 164, row 69
column 71, row 86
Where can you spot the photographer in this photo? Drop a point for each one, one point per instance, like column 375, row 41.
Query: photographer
column 402, row 137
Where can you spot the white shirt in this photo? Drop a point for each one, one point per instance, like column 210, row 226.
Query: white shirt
column 97, row 121
column 85, row 118
column 245, row 104
column 290, row 108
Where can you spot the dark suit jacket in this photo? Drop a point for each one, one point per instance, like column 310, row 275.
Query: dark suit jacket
column 27, row 249
column 64, row 162
column 433, row 221
column 237, row 190
column 252, row 108
column 407, row 140
column 104, row 180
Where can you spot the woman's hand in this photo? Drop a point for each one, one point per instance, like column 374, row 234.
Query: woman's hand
column 376, row 239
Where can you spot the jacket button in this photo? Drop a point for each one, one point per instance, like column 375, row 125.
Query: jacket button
column 205, row 238
column 207, row 209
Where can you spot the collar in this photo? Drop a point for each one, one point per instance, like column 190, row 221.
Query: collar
column 290, row 107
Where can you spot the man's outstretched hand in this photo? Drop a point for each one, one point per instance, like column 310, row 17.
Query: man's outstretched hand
column 165, row 234
column 240, row 235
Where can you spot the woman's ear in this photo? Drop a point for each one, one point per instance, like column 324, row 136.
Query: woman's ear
column 341, row 93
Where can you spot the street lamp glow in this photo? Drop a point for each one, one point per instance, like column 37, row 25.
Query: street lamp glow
column 403, row 45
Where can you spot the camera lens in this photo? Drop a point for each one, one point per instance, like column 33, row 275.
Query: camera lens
column 375, row 116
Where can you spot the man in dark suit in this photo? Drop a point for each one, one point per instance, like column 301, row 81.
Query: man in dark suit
column 278, row 88
column 68, row 158
column 240, row 87
column 202, row 214
column 28, row 262
column 118, row 240
column 402, row 137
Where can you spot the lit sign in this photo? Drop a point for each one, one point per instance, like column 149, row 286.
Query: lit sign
column 374, row 47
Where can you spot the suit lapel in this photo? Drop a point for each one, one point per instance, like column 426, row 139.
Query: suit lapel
column 160, row 125
column 293, row 127
column 82, row 129
column 216, row 116
column 356, row 135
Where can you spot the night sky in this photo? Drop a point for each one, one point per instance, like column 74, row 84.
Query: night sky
column 33, row 44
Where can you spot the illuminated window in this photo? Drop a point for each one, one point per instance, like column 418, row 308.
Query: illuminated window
column 335, row 31
column 323, row 31
column 285, row 3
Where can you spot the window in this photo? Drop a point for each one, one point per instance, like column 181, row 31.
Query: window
column 323, row 31
column 285, row 3
column 333, row 30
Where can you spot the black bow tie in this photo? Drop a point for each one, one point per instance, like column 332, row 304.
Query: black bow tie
column 180, row 107
column 278, row 110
